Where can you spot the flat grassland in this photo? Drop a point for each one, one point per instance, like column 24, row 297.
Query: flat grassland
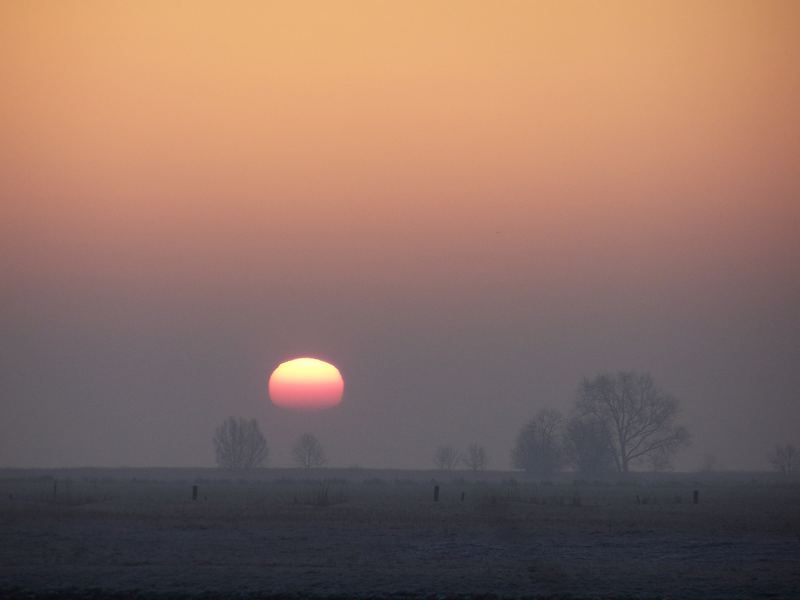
column 130, row 533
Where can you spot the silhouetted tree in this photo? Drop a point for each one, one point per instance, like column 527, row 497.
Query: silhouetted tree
column 660, row 459
column 308, row 452
column 446, row 458
column 638, row 418
column 538, row 445
column 239, row 444
column 784, row 458
column 475, row 457
column 586, row 446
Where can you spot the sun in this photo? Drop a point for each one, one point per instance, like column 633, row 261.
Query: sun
column 306, row 384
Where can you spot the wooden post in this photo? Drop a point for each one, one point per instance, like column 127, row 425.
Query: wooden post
column 194, row 492
column 436, row 493
column 696, row 497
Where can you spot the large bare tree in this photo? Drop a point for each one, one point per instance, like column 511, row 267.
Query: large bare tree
column 239, row 444
column 639, row 419
column 308, row 452
column 538, row 445
column 784, row 458
column 475, row 457
column 586, row 446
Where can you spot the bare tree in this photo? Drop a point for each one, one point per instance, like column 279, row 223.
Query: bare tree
column 784, row 458
column 639, row 419
column 586, row 446
column 239, row 444
column 308, row 452
column 538, row 445
column 661, row 459
column 475, row 457
column 446, row 458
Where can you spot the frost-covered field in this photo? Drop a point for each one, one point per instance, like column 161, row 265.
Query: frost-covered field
column 131, row 533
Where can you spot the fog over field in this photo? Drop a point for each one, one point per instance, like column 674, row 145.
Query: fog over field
column 466, row 209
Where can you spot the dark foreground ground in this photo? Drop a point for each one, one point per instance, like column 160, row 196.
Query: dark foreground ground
column 366, row 536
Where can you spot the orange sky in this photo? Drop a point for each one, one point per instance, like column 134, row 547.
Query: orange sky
column 353, row 121
column 490, row 151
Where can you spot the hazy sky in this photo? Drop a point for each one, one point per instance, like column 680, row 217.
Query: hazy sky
column 466, row 206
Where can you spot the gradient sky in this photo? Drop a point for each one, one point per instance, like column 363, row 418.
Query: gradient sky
column 466, row 206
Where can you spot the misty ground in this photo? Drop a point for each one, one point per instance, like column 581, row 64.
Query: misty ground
column 138, row 533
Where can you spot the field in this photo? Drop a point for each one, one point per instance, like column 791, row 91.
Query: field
column 363, row 533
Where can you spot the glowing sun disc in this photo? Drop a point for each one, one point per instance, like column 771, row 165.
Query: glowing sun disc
column 306, row 384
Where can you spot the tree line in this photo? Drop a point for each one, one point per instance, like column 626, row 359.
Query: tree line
column 618, row 421
column 240, row 444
